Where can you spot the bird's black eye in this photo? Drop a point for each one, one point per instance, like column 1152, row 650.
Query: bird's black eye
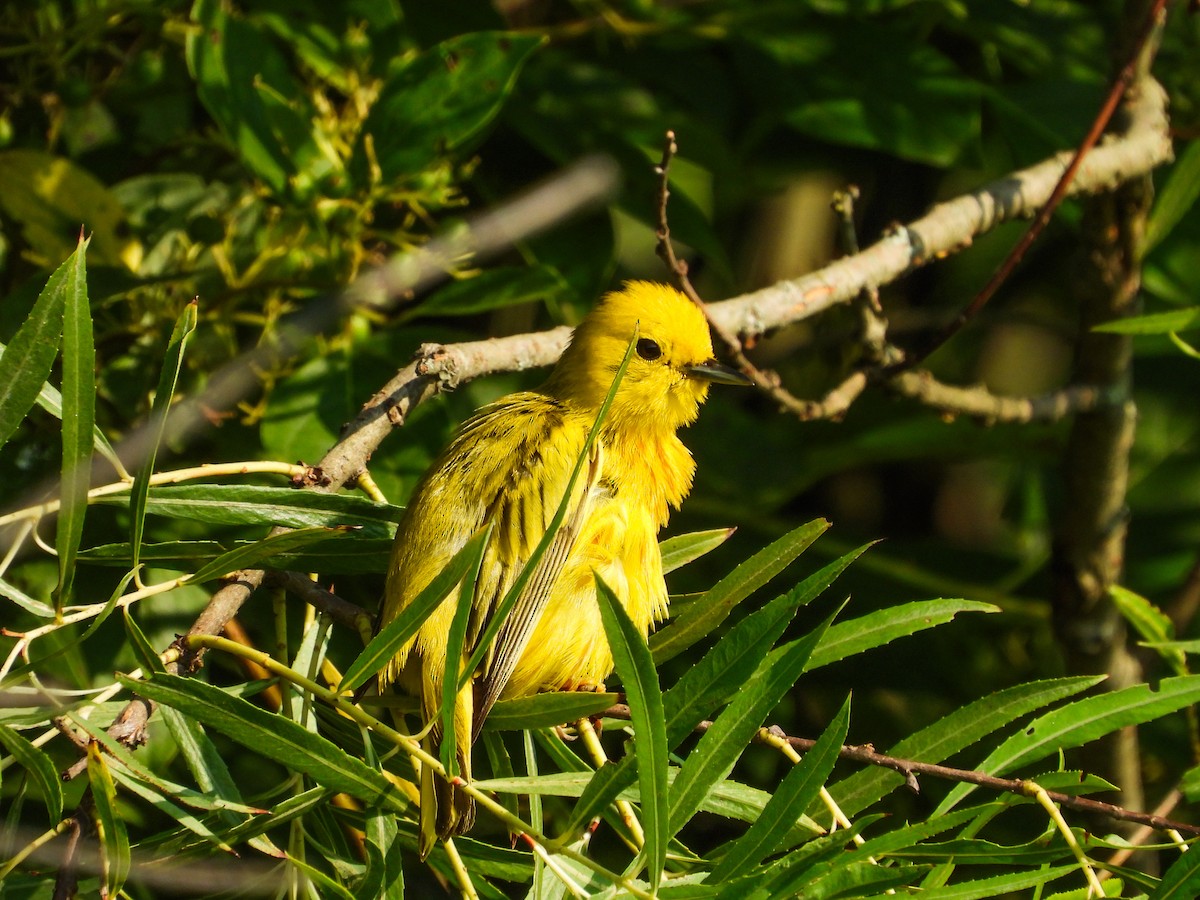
column 648, row 349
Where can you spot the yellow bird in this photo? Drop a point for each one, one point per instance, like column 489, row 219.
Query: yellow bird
column 508, row 466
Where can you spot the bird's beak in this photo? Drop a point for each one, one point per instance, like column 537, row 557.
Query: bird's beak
column 711, row 370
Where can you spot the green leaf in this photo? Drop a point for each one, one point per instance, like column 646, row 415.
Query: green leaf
column 245, row 504
column 78, row 421
column 544, row 710
column 163, row 805
column 723, row 742
column 1083, row 721
column 400, row 630
column 114, row 840
column 342, row 553
column 709, row 683
column 635, row 666
column 50, row 197
column 444, row 97
column 1176, row 198
column 27, row 603
column 703, row 617
column 50, row 400
column 289, row 744
column 261, row 551
column 1152, row 624
column 996, row 886
column 230, row 60
column 1182, row 880
column 797, row 790
column 685, row 548
column 163, row 396
column 883, row 626
column 143, row 650
column 957, row 731
column 912, row 101
column 728, row 666
column 454, row 652
column 40, row 769
column 1155, row 323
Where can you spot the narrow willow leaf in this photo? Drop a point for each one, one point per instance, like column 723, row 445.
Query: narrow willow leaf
column 878, row 628
column 1182, row 880
column 454, row 654
column 1176, row 197
column 114, row 840
column 729, row 735
column 40, row 769
column 143, row 650
column 702, row 618
column 974, row 852
column 164, row 805
column 330, row 555
column 332, row 887
column 384, row 876
column 957, row 731
column 635, row 667
column 1154, row 323
column 997, row 886
column 261, row 551
column 289, row 744
column 798, row 788
column 30, row 355
column 27, row 603
column 730, row 662
column 1083, row 721
column 78, row 421
column 134, row 768
column 685, row 548
column 249, row 504
column 903, row 837
column 1152, row 624
column 544, row 710
column 400, row 630
column 50, row 400
column 163, row 395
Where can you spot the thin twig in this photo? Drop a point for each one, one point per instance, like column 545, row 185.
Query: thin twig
column 1120, row 86
column 911, row 768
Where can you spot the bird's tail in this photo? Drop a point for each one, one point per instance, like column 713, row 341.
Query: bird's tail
column 446, row 809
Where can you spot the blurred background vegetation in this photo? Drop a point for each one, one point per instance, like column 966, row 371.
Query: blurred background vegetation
column 259, row 155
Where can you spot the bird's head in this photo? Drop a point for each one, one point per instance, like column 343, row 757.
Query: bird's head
column 671, row 367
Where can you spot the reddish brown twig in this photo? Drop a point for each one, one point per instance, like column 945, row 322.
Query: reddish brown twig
column 911, row 768
column 1121, row 83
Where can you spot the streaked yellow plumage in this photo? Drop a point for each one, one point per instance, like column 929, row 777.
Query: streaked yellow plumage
column 509, row 465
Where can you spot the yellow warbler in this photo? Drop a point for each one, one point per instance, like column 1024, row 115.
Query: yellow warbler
column 509, row 466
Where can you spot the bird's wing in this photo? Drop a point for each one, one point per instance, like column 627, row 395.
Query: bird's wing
column 523, row 450
column 513, row 636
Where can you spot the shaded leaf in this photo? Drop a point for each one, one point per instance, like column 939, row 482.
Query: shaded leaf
column 163, row 396
column 1083, row 721
column 543, row 710
column 878, row 628
column 702, row 618
column 682, row 549
column 787, row 804
column 114, row 840
column 635, row 666
column 78, row 421
column 291, row 745
column 39, row 767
